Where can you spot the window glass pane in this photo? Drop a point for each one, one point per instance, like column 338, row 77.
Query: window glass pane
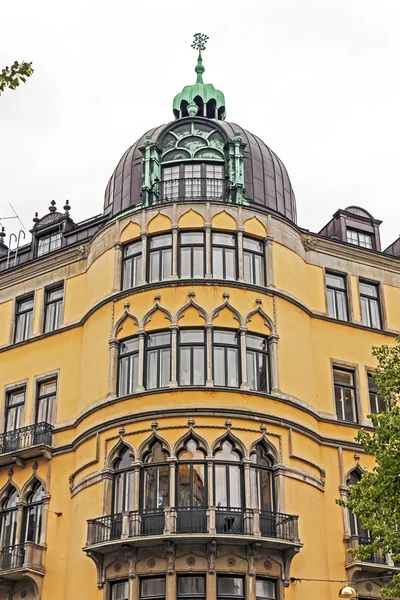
column 56, row 294
column 341, row 306
column 217, row 266
column 232, row 364
column 251, row 370
column 192, row 237
column 149, row 488
column 154, row 266
column 256, row 342
column 230, row 264
column 162, row 499
column 119, row 591
column 184, row 366
column 336, row 281
column 152, row 369
column 220, row 486
column 365, row 317
column 165, row 367
column 343, row 377
column 123, row 376
column 375, row 314
column 258, row 270
column 223, row 239
column 349, row 405
column 265, row 590
column 372, row 385
column 219, row 366
column 24, row 305
column 184, row 485
column 131, row 249
column 152, row 587
column 185, row 266
column 248, row 267
column 160, row 241
column 199, row 487
column 198, row 262
column 129, row 346
column 225, row 337
column 368, row 289
column 192, row 336
column 198, row 366
column 192, row 585
column 49, row 387
column 166, row 264
column 254, row 245
column 235, row 492
column 230, row 586
column 159, row 339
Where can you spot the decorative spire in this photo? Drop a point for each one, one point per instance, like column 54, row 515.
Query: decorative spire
column 52, row 207
column 66, row 207
column 199, row 99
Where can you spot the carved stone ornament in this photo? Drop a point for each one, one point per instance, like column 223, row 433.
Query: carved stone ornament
column 151, row 563
column 267, row 565
column 368, row 587
column 212, row 556
column 117, row 567
column 231, row 562
column 170, row 556
column 83, row 251
column 309, row 242
column 24, row 594
column 191, row 561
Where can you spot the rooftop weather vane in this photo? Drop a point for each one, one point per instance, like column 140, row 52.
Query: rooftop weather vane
column 199, row 42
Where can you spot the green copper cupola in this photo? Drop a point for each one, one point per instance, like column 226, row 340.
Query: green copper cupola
column 201, row 99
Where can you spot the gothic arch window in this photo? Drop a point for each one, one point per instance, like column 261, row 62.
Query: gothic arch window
column 228, row 488
column 262, row 494
column 356, row 527
column 34, row 514
column 123, row 488
column 191, row 488
column 9, row 517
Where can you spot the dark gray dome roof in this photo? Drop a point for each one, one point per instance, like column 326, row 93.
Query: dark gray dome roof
column 267, row 182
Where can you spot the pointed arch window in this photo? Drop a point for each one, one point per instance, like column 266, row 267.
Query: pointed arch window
column 261, row 479
column 124, row 482
column 9, row 515
column 228, row 489
column 356, row 527
column 191, row 490
column 33, row 514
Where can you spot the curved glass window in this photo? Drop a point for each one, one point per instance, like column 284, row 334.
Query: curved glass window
column 132, row 265
column 253, row 261
column 192, row 181
column 155, row 480
column 224, row 255
column 191, row 255
column 160, row 258
column 128, row 366
column 228, row 489
column 226, row 358
column 261, row 480
column 257, row 363
column 192, row 357
column 123, row 489
column 9, row 513
column 33, row 515
column 158, row 360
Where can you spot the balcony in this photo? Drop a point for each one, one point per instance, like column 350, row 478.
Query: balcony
column 140, row 527
column 376, row 562
column 190, row 189
column 20, row 559
column 25, row 443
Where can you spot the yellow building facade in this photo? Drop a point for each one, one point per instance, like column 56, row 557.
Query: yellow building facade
column 182, row 380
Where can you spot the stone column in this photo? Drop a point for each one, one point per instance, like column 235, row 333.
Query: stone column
column 175, row 232
column 208, row 274
column 113, row 369
column 174, row 349
column 118, row 248
column 144, row 235
column 240, row 231
column 273, row 353
column 209, row 348
column 172, row 480
column 269, row 262
column 140, row 386
column 243, row 359
column 136, row 478
column 20, row 520
column 211, row 507
column 246, row 468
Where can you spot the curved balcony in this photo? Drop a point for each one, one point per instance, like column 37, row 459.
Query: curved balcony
column 21, row 559
column 26, row 443
column 140, row 527
column 190, row 189
column 376, row 562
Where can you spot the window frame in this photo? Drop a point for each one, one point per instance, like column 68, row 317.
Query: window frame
column 191, row 346
column 227, row 464
column 352, row 370
column 181, row 187
column 191, row 595
column 377, row 299
column 254, row 253
column 223, row 248
column 124, row 474
column 191, row 463
column 148, row 349
column 358, row 232
column 159, row 251
column 113, row 585
column 48, row 303
column 231, row 596
column 39, row 383
column 156, row 597
column 336, row 290
column 16, row 390
column 37, row 508
column 274, row 581
column 225, row 347
column 55, row 232
column 142, row 491
column 191, row 246
column 126, row 259
column 121, row 357
column 18, row 313
column 379, row 399
column 266, row 353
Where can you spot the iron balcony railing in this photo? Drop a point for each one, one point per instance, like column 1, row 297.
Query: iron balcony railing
column 12, row 557
column 190, row 189
column 376, row 557
column 191, row 520
column 25, row 437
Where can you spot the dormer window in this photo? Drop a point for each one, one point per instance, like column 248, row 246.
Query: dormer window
column 187, row 181
column 48, row 243
column 358, row 238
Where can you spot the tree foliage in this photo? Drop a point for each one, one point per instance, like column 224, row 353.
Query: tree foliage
column 10, row 77
column 376, row 498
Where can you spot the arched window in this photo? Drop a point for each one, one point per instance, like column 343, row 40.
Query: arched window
column 191, row 496
column 9, row 514
column 33, row 514
column 155, row 489
column 123, row 489
column 228, row 489
column 356, row 527
column 261, row 480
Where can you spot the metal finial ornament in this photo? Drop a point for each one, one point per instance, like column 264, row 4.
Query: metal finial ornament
column 199, row 42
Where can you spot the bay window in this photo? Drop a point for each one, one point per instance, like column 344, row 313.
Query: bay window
column 193, row 181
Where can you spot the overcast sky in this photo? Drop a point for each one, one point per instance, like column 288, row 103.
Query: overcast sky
column 317, row 80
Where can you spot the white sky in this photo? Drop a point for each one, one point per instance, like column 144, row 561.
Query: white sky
column 317, row 80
